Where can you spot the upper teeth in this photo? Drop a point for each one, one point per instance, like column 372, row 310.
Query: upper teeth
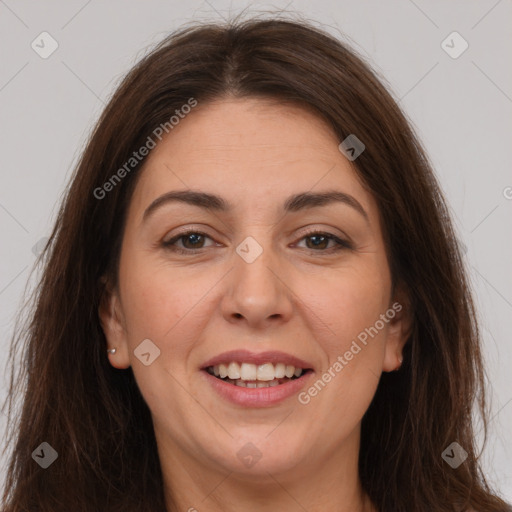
column 248, row 371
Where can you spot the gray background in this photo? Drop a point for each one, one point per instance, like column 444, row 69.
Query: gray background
column 460, row 108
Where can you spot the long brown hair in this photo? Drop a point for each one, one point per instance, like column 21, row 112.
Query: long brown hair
column 94, row 415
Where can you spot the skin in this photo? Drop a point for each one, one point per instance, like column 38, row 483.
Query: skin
column 307, row 301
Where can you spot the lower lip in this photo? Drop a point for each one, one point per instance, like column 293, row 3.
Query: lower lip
column 257, row 397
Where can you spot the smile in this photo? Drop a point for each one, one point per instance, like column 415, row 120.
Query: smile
column 250, row 379
column 248, row 375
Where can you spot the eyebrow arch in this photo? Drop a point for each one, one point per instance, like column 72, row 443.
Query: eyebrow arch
column 294, row 203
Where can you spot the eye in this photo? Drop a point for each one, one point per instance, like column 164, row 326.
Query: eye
column 319, row 241
column 191, row 241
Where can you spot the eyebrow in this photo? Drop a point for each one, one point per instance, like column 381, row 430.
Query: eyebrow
column 294, row 203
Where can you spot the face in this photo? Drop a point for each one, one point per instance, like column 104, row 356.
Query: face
column 263, row 282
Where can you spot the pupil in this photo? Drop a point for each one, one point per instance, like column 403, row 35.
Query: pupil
column 194, row 237
column 312, row 238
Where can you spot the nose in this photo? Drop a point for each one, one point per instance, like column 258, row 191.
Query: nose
column 258, row 293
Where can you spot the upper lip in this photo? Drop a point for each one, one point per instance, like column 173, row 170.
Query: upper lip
column 245, row 356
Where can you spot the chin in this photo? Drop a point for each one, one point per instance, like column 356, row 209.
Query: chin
column 256, row 453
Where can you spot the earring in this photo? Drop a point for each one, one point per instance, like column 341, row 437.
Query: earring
column 112, row 350
column 400, row 361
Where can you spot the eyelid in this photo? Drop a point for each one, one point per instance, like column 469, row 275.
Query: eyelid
column 184, row 230
column 326, row 231
column 341, row 242
column 167, row 242
column 308, row 230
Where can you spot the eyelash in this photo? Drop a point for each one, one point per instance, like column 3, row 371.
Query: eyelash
column 341, row 244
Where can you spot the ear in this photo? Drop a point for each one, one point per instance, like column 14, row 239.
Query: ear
column 399, row 330
column 112, row 322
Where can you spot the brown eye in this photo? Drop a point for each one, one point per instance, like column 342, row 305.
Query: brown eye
column 319, row 242
column 190, row 241
column 194, row 239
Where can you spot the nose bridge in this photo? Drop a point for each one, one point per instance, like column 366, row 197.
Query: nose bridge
column 257, row 292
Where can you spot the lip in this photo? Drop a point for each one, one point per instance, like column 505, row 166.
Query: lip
column 245, row 356
column 256, row 397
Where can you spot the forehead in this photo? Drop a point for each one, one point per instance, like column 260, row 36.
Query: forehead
column 251, row 151
column 240, row 128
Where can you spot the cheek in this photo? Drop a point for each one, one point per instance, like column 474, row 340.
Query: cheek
column 163, row 305
column 347, row 302
column 167, row 305
column 353, row 351
column 155, row 297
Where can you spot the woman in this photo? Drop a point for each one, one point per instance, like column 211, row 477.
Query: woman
column 253, row 298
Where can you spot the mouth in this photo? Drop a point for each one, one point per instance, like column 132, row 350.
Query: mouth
column 251, row 379
column 249, row 375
